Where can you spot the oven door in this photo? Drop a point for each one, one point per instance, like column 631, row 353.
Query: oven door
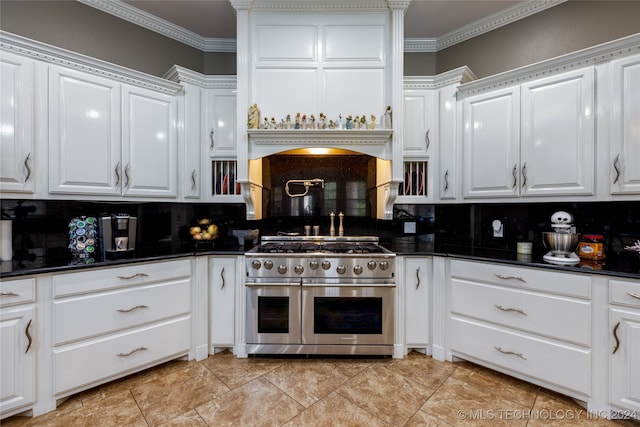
column 348, row 314
column 273, row 312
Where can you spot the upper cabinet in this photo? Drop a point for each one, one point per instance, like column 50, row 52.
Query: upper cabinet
column 17, row 142
column 420, row 119
column 624, row 140
column 535, row 139
column 220, row 118
column 109, row 138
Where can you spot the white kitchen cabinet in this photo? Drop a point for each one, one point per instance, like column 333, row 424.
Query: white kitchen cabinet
column 17, row 142
column 624, row 137
column 191, row 177
column 110, row 139
column 499, row 317
column 535, row 139
column 220, row 119
column 17, row 346
column 448, row 149
column 133, row 317
column 624, row 321
column 417, row 285
column 222, row 304
column 420, row 121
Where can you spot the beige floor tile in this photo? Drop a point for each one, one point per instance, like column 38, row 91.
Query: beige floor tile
column 503, row 385
column 307, row 382
column 422, row 419
column 176, row 392
column 459, row 403
column 423, row 369
column 256, row 403
column 188, row 419
column 333, row 411
column 234, row 372
column 385, row 394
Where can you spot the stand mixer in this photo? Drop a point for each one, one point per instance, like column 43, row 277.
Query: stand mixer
column 562, row 243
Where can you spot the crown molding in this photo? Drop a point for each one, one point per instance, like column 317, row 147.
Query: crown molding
column 136, row 16
column 180, row 74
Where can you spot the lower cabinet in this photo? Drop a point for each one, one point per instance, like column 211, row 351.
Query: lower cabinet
column 624, row 321
column 17, row 346
column 529, row 322
column 416, row 281
column 121, row 319
column 222, row 302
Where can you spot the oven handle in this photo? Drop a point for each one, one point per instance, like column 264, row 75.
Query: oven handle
column 268, row 285
column 348, row 285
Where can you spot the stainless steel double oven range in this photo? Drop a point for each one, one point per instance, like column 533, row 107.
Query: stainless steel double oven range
column 320, row 295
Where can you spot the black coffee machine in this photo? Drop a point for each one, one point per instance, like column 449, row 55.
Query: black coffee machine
column 118, row 236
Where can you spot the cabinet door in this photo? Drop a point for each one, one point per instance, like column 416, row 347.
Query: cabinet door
column 17, row 148
column 222, row 278
column 448, row 143
column 558, row 128
column 149, row 141
column 17, row 388
column 625, row 369
column 419, row 122
column 84, row 133
column 625, row 137
column 221, row 122
column 417, row 273
column 190, row 176
column 491, row 144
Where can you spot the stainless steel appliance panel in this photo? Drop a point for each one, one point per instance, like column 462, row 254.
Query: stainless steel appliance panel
column 273, row 313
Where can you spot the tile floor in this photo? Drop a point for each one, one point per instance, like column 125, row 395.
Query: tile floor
column 225, row 391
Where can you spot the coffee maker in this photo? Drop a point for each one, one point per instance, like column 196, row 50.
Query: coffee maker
column 118, row 236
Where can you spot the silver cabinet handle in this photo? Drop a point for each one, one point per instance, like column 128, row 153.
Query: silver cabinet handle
column 222, row 277
column 446, row 180
column 524, row 175
column 26, row 165
column 30, row 340
column 615, row 336
column 500, row 276
column 427, row 140
column 127, row 176
column 9, row 294
column 117, row 171
column 417, row 277
column 211, row 138
column 129, row 310
column 133, row 276
column 514, row 172
column 193, row 180
column 131, row 352
column 517, row 310
column 513, row 353
column 616, row 166
column 632, row 295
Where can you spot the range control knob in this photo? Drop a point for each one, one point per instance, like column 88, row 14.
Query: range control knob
column 298, row 269
column 341, row 269
column 326, row 265
column 314, row 264
column 282, row 269
column 371, row 265
column 255, row 264
column 384, row 265
column 357, row 269
column 268, row 264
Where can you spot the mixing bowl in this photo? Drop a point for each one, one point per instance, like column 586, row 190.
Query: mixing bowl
column 560, row 244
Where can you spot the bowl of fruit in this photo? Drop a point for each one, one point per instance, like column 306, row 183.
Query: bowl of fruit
column 204, row 230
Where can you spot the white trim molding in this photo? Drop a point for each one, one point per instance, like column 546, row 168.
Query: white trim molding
column 413, row 45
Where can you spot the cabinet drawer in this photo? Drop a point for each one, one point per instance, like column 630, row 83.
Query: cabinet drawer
column 119, row 277
column 106, row 358
column 551, row 362
column 525, row 310
column 19, row 291
column 90, row 315
column 524, row 278
column 624, row 292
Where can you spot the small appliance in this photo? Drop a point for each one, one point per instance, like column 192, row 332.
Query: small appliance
column 562, row 242
column 118, row 236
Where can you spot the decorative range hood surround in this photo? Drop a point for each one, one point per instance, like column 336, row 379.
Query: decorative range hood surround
column 305, row 56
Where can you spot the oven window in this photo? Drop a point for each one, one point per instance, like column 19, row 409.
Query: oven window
column 348, row 315
column 273, row 315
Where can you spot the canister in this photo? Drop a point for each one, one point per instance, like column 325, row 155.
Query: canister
column 591, row 247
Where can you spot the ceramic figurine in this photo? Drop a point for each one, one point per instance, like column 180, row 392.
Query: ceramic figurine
column 356, row 122
column 254, row 117
column 349, row 124
column 340, row 121
column 372, row 123
column 312, row 124
column 288, row 121
column 322, row 122
column 363, row 122
column 388, row 123
column 303, row 121
column 273, row 123
column 297, row 125
column 265, row 124
column 332, row 125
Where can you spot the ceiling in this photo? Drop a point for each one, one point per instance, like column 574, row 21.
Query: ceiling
column 430, row 25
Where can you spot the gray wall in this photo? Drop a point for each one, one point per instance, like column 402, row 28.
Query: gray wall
column 562, row 29
column 565, row 28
